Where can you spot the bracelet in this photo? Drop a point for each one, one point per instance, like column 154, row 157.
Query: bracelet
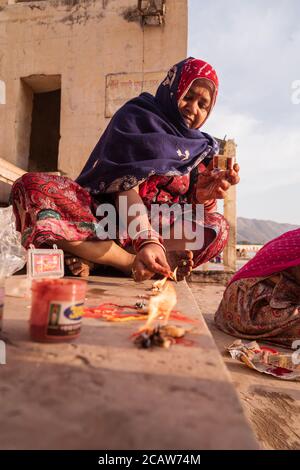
column 150, row 232
column 153, row 237
column 156, row 242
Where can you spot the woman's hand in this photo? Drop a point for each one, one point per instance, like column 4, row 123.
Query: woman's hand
column 214, row 185
column 149, row 260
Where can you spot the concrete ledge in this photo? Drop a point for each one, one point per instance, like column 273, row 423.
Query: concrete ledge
column 211, row 277
column 101, row 392
column 9, row 173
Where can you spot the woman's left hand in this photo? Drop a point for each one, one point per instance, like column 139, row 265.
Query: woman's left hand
column 214, row 185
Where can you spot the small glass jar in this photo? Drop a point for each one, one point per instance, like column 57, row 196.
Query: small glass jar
column 56, row 309
column 222, row 163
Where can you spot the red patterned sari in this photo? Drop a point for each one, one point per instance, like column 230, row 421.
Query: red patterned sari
column 50, row 208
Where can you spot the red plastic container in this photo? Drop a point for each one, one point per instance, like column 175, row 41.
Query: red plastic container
column 56, row 309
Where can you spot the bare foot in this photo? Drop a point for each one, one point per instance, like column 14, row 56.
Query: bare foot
column 184, row 261
column 82, row 267
column 78, row 266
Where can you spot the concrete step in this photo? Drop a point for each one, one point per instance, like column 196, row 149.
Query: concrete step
column 211, row 276
column 101, row 392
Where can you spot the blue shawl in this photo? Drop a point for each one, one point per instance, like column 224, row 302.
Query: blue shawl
column 146, row 136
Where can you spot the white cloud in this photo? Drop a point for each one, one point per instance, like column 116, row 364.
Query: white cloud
column 259, row 147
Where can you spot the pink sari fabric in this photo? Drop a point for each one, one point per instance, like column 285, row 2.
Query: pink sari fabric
column 262, row 300
column 277, row 255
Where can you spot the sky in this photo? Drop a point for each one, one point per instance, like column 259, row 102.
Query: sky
column 254, row 45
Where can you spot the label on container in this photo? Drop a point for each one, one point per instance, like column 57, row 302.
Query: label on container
column 64, row 319
column 46, row 263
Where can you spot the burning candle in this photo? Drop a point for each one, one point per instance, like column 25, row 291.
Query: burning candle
column 56, row 309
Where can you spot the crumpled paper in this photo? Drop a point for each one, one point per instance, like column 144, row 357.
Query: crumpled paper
column 266, row 360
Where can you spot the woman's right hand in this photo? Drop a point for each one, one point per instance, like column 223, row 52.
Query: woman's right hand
column 212, row 185
column 150, row 260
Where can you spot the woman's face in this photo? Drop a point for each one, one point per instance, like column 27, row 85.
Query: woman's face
column 195, row 105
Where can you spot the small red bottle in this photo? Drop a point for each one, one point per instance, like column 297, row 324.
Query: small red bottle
column 56, row 309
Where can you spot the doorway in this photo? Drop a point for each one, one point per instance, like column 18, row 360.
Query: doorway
column 45, row 131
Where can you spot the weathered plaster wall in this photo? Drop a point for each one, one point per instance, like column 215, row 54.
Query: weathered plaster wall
column 83, row 42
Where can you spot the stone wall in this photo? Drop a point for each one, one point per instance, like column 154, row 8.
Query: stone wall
column 96, row 51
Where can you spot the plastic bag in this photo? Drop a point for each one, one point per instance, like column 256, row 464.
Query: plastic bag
column 12, row 253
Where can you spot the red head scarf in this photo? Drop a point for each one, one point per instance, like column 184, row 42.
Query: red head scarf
column 192, row 70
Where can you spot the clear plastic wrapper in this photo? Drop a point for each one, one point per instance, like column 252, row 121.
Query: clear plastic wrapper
column 12, row 254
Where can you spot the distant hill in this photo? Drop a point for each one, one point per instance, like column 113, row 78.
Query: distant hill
column 256, row 231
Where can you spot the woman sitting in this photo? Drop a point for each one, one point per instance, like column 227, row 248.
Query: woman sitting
column 262, row 300
column 151, row 152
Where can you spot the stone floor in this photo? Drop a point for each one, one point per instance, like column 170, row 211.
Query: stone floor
column 271, row 405
column 101, row 392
